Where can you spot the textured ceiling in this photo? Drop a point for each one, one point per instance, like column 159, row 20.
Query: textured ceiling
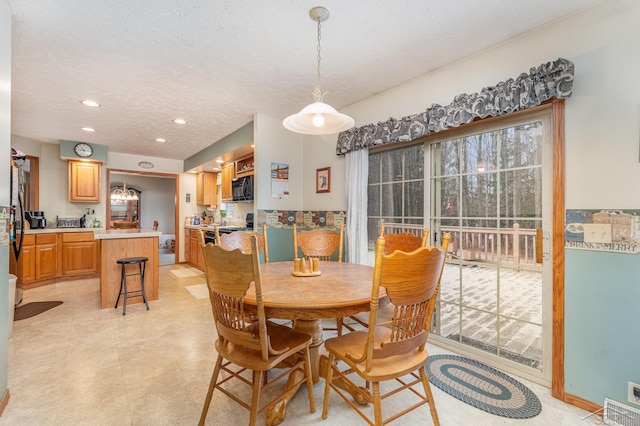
column 217, row 63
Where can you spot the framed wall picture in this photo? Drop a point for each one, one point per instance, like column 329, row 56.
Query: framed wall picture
column 323, row 180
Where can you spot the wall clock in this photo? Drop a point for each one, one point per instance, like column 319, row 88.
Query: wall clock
column 83, row 150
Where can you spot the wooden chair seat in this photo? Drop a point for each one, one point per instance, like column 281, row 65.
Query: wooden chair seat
column 283, row 339
column 381, row 369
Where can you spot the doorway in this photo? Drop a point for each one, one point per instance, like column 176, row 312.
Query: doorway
column 157, row 202
column 491, row 189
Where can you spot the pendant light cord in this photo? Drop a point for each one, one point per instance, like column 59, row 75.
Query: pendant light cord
column 317, row 93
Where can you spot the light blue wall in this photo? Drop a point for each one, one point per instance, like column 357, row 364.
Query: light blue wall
column 235, row 140
column 602, row 325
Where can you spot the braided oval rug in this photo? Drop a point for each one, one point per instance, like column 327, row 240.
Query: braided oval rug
column 482, row 386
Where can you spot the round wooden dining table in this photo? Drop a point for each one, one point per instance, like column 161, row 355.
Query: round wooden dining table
column 342, row 289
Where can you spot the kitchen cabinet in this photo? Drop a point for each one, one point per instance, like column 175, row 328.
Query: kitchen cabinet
column 46, row 256
column 207, row 189
column 192, row 252
column 25, row 267
column 84, row 181
column 244, row 166
column 79, row 254
column 228, row 174
column 55, row 256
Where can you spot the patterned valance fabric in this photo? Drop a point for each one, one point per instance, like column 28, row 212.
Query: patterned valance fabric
column 549, row 80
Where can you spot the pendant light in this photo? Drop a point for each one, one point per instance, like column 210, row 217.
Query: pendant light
column 318, row 118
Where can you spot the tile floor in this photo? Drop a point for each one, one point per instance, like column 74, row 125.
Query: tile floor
column 78, row 364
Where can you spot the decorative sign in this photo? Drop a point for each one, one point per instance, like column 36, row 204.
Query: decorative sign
column 279, row 180
column 614, row 231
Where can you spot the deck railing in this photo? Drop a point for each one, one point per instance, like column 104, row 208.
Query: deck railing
column 515, row 247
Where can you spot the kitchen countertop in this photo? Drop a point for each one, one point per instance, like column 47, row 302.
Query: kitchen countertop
column 210, row 227
column 59, row 230
column 111, row 234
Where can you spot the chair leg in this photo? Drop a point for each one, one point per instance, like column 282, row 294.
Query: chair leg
column 339, row 326
column 142, row 267
column 377, row 404
column 255, row 398
column 307, row 373
column 124, row 283
column 212, row 386
column 327, row 386
column 427, row 392
column 122, row 278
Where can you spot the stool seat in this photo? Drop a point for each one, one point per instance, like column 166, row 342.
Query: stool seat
column 127, row 294
column 131, row 260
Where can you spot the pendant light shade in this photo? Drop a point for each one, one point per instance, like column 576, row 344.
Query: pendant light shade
column 318, row 118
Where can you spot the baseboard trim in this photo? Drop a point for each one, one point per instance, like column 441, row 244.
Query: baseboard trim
column 4, row 402
column 582, row 403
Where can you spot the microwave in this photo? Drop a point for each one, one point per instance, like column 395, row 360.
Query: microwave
column 242, row 188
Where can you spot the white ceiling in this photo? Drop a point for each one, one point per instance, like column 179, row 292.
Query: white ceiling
column 217, row 63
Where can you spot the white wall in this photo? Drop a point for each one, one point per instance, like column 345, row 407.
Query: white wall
column 273, row 143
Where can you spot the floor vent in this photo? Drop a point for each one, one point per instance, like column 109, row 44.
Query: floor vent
column 616, row 413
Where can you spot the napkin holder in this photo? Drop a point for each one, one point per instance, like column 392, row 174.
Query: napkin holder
column 306, row 267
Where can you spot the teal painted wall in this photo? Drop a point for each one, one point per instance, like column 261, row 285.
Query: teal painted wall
column 280, row 242
column 602, row 324
column 99, row 151
column 235, row 140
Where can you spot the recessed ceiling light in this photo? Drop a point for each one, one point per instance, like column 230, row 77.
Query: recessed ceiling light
column 146, row 164
column 216, row 169
column 179, row 121
column 90, row 103
column 219, row 161
column 162, row 140
column 88, row 129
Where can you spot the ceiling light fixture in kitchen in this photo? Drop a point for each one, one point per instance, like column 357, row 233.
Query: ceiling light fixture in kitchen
column 88, row 129
column 179, row 121
column 146, row 164
column 90, row 103
column 318, row 118
column 161, row 140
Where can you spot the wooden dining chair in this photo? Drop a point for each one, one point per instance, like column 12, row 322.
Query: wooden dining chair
column 395, row 350
column 242, row 240
column 397, row 236
column 125, row 225
column 319, row 243
column 249, row 341
column 323, row 244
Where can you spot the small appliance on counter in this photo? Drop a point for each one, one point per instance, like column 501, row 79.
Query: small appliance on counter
column 35, row 219
column 68, row 222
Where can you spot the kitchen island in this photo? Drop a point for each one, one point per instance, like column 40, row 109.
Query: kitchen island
column 119, row 243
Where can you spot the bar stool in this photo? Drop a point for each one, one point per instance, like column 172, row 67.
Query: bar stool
column 142, row 266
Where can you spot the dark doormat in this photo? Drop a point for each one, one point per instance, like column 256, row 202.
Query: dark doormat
column 32, row 309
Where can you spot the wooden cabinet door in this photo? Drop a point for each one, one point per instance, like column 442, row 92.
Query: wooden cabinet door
column 27, row 264
column 207, row 189
column 228, row 173
column 187, row 245
column 196, row 255
column 84, row 181
column 80, row 258
column 46, row 261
